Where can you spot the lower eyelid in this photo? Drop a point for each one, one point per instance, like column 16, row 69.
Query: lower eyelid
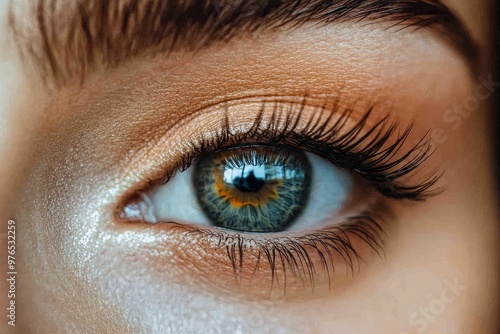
column 278, row 264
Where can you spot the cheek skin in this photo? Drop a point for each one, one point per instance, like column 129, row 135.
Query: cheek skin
column 121, row 271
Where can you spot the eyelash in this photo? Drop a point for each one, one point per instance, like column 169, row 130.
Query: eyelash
column 295, row 254
column 370, row 161
column 359, row 148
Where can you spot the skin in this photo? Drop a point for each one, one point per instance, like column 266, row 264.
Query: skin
column 70, row 158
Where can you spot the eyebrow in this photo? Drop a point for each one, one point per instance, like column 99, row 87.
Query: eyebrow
column 71, row 38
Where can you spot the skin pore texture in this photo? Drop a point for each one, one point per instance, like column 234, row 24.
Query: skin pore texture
column 73, row 157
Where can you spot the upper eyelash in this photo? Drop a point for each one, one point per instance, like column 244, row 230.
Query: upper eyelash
column 356, row 149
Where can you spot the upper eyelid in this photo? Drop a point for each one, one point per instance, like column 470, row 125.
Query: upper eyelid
column 94, row 29
column 195, row 145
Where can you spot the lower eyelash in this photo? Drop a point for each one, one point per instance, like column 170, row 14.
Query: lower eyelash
column 299, row 259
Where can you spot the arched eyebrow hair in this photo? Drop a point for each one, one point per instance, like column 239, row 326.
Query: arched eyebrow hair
column 71, row 38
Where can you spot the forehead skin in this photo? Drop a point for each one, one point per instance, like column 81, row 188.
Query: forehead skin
column 21, row 94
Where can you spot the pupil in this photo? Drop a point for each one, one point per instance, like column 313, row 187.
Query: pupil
column 248, row 183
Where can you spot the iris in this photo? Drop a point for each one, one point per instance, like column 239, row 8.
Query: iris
column 253, row 188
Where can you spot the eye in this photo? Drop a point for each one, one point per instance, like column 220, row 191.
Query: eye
column 294, row 196
column 253, row 189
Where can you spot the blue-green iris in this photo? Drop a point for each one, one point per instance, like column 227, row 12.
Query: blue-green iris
column 253, row 189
